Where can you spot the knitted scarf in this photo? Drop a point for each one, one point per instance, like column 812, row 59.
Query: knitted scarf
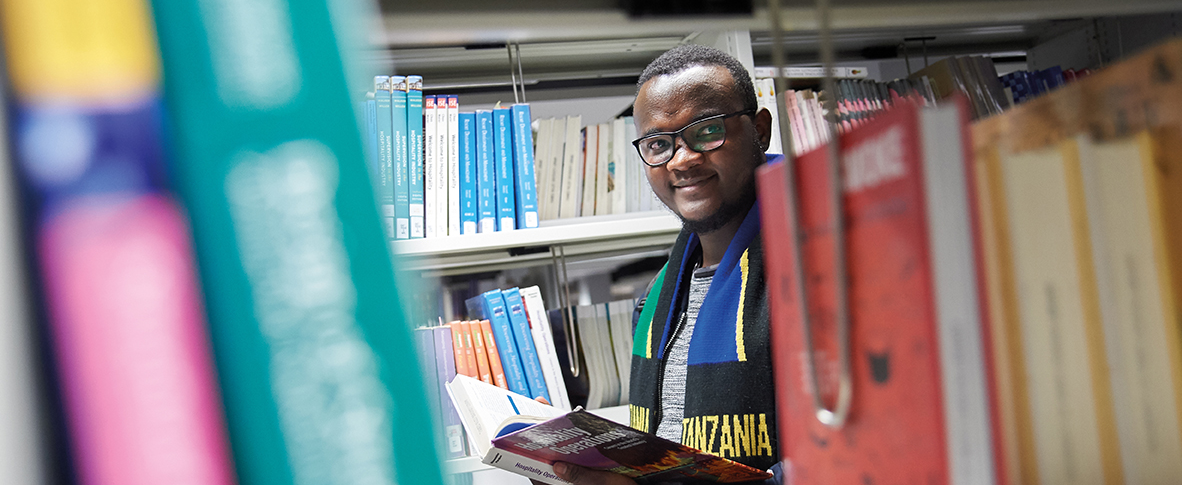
column 730, row 407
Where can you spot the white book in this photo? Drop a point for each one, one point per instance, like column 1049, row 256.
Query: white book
column 553, row 179
column 441, row 166
column 766, row 89
column 640, row 193
column 539, row 325
column 21, row 440
column 619, row 157
column 603, row 174
column 590, row 163
column 453, row 166
column 541, row 165
column 572, row 168
column 620, row 313
column 430, row 167
column 598, row 395
column 484, row 407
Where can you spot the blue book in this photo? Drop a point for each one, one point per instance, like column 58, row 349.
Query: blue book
column 445, row 367
column 468, row 199
column 414, row 130
column 426, row 349
column 371, row 137
column 525, row 344
column 525, row 180
column 401, row 152
column 486, row 171
column 385, row 185
column 498, row 316
column 503, row 157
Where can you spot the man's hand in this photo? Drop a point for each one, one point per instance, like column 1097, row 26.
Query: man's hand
column 586, row 476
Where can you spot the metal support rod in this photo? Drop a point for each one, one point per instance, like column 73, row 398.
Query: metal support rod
column 520, row 75
column 512, row 72
column 562, row 280
column 924, row 43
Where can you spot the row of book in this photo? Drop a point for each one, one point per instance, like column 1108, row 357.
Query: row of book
column 590, row 170
column 1014, row 288
column 195, row 285
column 1023, row 85
column 975, row 77
column 440, row 172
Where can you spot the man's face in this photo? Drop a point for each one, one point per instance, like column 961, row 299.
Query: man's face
column 706, row 190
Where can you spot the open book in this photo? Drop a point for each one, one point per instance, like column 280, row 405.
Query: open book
column 518, row 434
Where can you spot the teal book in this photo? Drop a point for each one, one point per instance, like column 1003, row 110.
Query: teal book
column 503, row 159
column 519, row 322
column 468, row 198
column 400, row 149
column 524, row 178
column 385, row 186
column 495, row 311
column 315, row 357
column 486, row 173
column 414, row 130
column 371, row 135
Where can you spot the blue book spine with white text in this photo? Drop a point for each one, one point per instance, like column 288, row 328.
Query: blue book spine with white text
column 525, row 180
column 468, row 198
column 385, row 185
column 525, row 344
column 414, row 130
column 453, row 431
column 486, row 171
column 498, row 315
column 503, row 154
column 371, row 137
column 401, row 175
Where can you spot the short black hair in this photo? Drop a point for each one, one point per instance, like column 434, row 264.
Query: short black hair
column 686, row 56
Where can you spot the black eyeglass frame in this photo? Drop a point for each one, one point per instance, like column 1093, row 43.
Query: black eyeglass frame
column 677, row 134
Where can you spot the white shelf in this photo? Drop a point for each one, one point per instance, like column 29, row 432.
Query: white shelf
column 580, row 238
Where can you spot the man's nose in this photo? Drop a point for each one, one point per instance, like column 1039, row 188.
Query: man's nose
column 683, row 157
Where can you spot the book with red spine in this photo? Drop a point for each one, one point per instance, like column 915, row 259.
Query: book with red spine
column 494, row 357
column 484, row 373
column 460, row 350
column 469, row 350
column 922, row 401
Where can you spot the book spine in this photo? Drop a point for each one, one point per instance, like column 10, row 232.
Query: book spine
column 445, row 366
column 486, row 171
column 618, row 168
column 498, row 316
column 385, row 112
column 414, row 152
column 459, row 349
column 572, row 168
column 468, row 196
column 469, row 350
column 430, row 167
column 536, row 470
column 539, row 325
column 398, row 108
column 442, row 165
column 371, row 136
column 125, row 326
column 525, row 181
column 503, row 154
column 494, row 357
column 429, row 368
column 453, row 165
column 482, row 368
column 589, row 162
column 525, row 344
column 287, row 233
column 553, row 179
column 603, row 183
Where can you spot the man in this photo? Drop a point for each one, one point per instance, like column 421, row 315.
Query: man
column 701, row 369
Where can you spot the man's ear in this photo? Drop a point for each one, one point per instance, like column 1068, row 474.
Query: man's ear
column 763, row 128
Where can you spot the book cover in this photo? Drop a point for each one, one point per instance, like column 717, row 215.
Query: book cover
column 915, row 416
column 603, row 171
column 469, row 350
column 459, row 349
column 123, row 322
column 428, row 366
column 539, row 326
column 618, row 168
column 442, row 164
column 498, row 316
column 385, row 188
column 454, row 443
column 483, row 371
column 525, row 344
column 468, row 196
column 590, row 164
column 553, row 181
column 503, row 156
column 414, row 151
column 486, row 171
column 430, row 166
column 266, row 152
column 572, row 168
column 401, row 151
column 371, row 136
column 453, row 165
column 524, row 176
column 542, row 167
column 495, row 368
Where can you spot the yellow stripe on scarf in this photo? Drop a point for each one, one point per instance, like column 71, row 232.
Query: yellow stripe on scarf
column 739, row 348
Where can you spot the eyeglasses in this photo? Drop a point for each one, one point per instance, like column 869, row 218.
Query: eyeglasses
column 700, row 136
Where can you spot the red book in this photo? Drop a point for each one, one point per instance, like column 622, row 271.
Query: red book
column 922, row 402
column 494, row 357
column 478, row 344
column 457, row 345
column 469, row 350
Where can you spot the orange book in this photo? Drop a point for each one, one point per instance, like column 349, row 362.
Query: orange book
column 494, row 357
column 481, row 352
column 469, row 350
column 457, row 345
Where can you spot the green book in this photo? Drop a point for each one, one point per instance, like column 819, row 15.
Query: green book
column 316, row 361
